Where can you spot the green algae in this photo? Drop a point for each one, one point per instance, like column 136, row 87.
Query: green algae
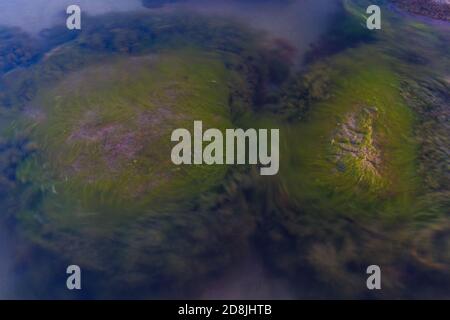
column 103, row 139
column 360, row 83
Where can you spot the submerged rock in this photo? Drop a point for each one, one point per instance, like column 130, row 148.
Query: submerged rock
column 354, row 146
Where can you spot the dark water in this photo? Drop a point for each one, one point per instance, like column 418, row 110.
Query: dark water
column 6, row 267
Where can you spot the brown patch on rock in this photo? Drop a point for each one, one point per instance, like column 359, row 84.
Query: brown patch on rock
column 117, row 144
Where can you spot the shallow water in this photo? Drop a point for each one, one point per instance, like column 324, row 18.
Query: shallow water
column 35, row 15
column 301, row 22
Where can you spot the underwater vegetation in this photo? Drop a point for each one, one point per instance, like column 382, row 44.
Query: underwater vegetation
column 17, row 48
column 364, row 172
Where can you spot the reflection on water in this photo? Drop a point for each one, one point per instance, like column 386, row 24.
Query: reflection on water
column 301, row 22
column 35, row 15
